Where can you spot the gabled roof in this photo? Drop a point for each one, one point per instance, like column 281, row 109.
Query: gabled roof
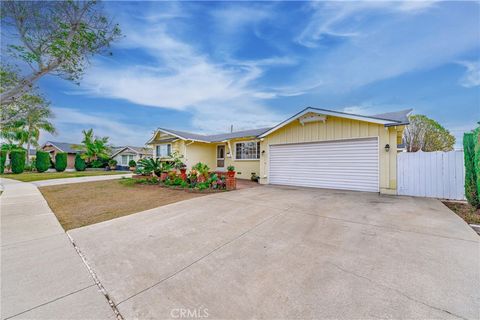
column 64, row 146
column 387, row 119
column 396, row 118
column 238, row 134
column 138, row 150
column 214, row 137
column 185, row 135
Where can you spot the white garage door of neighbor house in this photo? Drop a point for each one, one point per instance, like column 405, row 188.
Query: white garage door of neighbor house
column 342, row 164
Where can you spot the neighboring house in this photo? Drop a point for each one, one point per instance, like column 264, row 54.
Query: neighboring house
column 32, row 153
column 124, row 155
column 314, row 148
column 70, row 148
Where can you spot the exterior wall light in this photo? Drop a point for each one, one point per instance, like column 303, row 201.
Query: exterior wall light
column 387, row 147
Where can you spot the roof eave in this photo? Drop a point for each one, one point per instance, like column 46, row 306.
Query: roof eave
column 327, row 113
column 397, row 124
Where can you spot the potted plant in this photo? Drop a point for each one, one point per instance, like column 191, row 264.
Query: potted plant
column 165, row 168
column 183, row 169
column 231, row 171
column 112, row 163
column 132, row 165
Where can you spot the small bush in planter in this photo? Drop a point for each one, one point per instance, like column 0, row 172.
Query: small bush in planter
column 80, row 164
column 231, row 171
column 132, row 164
column 3, row 159
column 60, row 161
column 112, row 164
column 17, row 158
column 43, row 161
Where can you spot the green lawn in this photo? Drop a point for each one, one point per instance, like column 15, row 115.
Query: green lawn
column 35, row 176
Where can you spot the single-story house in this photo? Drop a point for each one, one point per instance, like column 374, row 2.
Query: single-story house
column 70, row 148
column 313, row 148
column 123, row 155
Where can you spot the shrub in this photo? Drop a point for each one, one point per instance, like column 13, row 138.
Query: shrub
column 471, row 189
column 132, row 163
column 18, row 160
column 230, row 168
column 112, row 163
column 477, row 160
column 80, row 164
column 60, row 161
column 43, row 161
column 98, row 163
column 3, row 159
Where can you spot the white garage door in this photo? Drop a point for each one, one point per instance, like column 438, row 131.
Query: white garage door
column 342, row 164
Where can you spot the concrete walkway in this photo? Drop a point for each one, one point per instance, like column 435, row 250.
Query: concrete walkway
column 42, row 275
column 53, row 182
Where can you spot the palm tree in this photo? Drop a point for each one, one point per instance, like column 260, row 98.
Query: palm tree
column 26, row 130
column 94, row 147
column 36, row 120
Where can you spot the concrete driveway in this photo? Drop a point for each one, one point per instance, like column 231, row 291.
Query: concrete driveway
column 277, row 252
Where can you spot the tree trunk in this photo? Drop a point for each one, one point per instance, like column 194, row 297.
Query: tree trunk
column 28, row 150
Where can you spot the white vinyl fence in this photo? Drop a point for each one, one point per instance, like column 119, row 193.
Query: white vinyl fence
column 431, row 174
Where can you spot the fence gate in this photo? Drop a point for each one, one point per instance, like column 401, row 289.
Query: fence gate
column 431, row 174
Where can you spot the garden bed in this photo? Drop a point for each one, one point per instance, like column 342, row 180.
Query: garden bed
column 465, row 211
column 154, row 181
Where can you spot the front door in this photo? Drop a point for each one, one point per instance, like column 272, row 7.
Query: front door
column 220, row 156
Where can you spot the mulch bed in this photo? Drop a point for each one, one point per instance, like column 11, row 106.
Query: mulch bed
column 465, row 211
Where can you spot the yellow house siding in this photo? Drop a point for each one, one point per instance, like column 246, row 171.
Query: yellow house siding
column 335, row 128
column 200, row 152
column 244, row 168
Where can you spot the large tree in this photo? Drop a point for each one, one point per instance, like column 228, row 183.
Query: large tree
column 427, row 135
column 53, row 37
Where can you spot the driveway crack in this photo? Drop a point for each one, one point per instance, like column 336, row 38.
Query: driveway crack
column 102, row 289
column 396, row 290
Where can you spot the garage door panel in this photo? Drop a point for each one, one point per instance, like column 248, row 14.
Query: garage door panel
column 347, row 164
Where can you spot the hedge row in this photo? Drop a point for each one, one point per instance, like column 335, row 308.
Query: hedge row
column 471, row 149
column 42, row 161
column 80, row 164
column 17, row 158
column 3, row 159
column 60, row 161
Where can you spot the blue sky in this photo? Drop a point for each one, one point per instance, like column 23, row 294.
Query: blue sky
column 204, row 66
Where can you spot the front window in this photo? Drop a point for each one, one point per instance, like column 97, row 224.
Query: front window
column 164, row 150
column 247, row 150
column 126, row 159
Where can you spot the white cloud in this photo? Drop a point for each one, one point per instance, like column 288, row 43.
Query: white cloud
column 471, row 78
column 400, row 42
column 183, row 78
column 70, row 123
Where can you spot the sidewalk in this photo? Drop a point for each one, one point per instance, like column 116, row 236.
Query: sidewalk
column 53, row 182
column 42, row 275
